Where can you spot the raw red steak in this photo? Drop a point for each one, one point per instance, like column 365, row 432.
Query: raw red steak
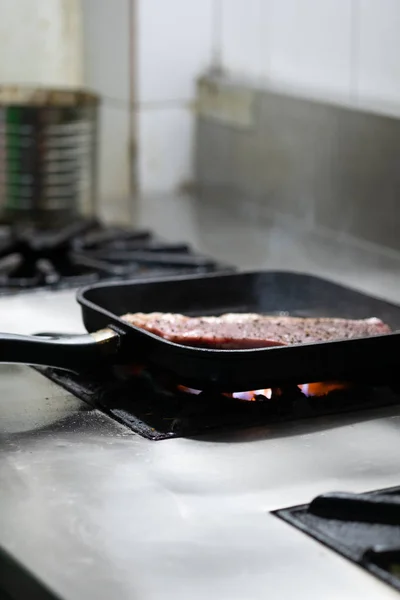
column 235, row 331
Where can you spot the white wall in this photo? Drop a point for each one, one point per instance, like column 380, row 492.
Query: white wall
column 40, row 42
column 107, row 61
column 144, row 56
column 174, row 45
column 155, row 49
column 346, row 50
column 342, row 50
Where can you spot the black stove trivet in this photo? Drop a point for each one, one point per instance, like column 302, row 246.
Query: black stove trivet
column 365, row 528
column 87, row 251
column 152, row 410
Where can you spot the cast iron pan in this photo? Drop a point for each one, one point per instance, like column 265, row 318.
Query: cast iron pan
column 374, row 359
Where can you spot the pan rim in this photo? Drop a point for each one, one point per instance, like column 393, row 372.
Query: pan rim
column 205, row 353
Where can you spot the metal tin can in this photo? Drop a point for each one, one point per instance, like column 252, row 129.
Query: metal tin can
column 48, row 154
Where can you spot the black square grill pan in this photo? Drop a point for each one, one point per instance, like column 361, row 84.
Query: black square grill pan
column 371, row 359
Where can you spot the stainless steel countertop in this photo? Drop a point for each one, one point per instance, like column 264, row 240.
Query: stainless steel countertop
column 97, row 512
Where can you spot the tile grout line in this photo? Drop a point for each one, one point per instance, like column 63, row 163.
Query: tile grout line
column 216, row 41
column 355, row 15
column 264, row 41
column 133, row 122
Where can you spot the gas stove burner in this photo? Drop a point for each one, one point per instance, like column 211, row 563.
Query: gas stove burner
column 154, row 407
column 85, row 252
column 365, row 528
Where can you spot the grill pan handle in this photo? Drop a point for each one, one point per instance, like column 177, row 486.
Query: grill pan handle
column 70, row 352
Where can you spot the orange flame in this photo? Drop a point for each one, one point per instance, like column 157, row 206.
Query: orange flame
column 248, row 396
column 322, row 388
column 308, row 389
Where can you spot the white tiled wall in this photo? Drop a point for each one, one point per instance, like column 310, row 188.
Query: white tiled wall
column 332, row 49
column 165, row 143
column 115, row 167
column 309, row 44
column 304, row 44
column 242, row 38
column 174, row 46
column 40, row 42
column 107, row 61
column 106, row 47
column 339, row 50
column 378, row 52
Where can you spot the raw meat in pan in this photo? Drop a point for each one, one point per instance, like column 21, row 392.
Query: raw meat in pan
column 246, row 330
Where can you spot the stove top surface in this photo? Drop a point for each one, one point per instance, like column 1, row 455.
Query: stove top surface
column 93, row 510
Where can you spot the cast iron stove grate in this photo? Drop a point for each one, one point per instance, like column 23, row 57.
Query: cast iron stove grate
column 365, row 528
column 85, row 252
column 154, row 409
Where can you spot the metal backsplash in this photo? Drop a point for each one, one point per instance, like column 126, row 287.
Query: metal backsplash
column 325, row 166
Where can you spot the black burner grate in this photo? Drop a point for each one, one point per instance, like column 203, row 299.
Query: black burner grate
column 155, row 411
column 365, row 528
column 85, row 252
